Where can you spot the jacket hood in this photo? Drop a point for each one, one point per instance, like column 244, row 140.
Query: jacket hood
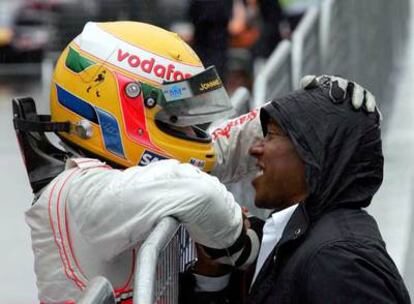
column 341, row 148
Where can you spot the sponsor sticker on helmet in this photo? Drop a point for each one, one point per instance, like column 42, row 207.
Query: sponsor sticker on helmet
column 210, row 85
column 206, row 81
column 149, row 157
column 176, row 91
column 199, row 84
column 198, row 163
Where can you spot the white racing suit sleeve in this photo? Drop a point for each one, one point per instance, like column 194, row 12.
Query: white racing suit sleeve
column 232, row 141
column 114, row 210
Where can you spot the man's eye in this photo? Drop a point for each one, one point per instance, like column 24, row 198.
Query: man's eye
column 273, row 134
column 270, row 135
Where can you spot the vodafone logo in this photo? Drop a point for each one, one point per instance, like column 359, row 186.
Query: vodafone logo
column 150, row 66
column 104, row 46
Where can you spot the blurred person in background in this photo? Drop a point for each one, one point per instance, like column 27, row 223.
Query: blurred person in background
column 270, row 15
column 254, row 35
column 320, row 164
column 211, row 36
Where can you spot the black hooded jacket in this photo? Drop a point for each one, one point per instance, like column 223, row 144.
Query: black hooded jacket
column 331, row 250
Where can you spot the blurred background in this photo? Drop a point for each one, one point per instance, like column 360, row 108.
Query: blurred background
column 263, row 46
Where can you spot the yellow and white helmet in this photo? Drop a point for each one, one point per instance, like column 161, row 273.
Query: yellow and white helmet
column 129, row 88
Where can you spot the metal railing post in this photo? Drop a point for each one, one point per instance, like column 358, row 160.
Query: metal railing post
column 98, row 291
column 275, row 77
column 147, row 259
column 240, row 100
column 325, row 31
column 305, row 50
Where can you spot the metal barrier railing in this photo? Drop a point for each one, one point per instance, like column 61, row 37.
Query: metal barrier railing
column 334, row 27
column 276, row 76
column 98, row 291
column 305, row 47
column 160, row 259
column 240, row 100
column 360, row 40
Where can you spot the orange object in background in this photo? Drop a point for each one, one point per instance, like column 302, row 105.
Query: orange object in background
column 6, row 35
column 243, row 33
column 245, row 39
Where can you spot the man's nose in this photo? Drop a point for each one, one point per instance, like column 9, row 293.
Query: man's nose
column 257, row 148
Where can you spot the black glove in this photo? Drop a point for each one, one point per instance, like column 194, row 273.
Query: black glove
column 338, row 88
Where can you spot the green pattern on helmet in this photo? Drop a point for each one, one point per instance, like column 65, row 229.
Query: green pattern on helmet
column 76, row 62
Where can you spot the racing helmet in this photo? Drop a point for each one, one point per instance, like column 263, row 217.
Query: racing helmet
column 135, row 93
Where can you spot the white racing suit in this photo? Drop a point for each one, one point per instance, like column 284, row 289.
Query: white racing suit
column 90, row 219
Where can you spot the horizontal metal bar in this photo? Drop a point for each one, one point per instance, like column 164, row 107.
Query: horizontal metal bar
column 98, row 291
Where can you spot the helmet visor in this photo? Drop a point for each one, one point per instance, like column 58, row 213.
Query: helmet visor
column 196, row 100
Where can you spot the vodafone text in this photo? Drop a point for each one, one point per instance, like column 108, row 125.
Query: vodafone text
column 150, row 66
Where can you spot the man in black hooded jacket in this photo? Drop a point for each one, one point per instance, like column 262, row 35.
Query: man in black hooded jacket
column 321, row 163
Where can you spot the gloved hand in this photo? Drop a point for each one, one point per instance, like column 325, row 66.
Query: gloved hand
column 241, row 254
column 338, row 88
